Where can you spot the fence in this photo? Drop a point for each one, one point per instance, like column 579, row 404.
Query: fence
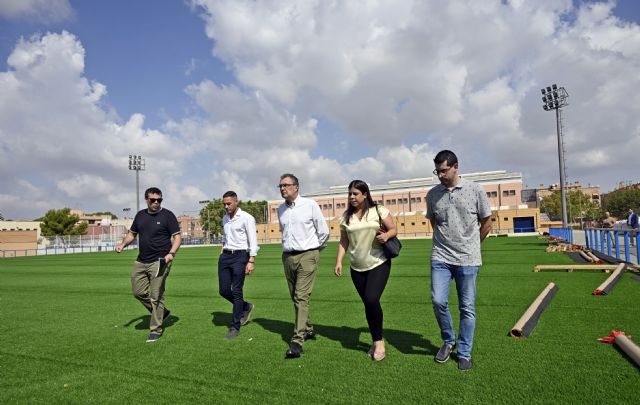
column 56, row 245
column 562, row 233
column 608, row 241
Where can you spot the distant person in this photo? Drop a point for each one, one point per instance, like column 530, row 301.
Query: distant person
column 304, row 234
column 237, row 258
column 609, row 222
column 632, row 222
column 361, row 236
column 460, row 216
column 156, row 227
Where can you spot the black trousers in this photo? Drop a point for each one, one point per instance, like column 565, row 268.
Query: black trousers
column 231, row 267
column 370, row 285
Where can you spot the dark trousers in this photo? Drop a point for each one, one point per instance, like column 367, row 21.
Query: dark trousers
column 370, row 285
column 231, row 267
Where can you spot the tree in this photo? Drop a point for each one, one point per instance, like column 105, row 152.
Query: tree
column 1, row 217
column 619, row 201
column 61, row 222
column 211, row 218
column 255, row 208
column 579, row 206
column 211, row 215
column 111, row 214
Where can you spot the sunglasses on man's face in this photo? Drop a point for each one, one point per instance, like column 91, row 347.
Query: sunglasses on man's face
column 155, row 200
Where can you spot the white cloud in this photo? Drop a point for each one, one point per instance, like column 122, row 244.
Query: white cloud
column 54, row 132
column 400, row 79
column 461, row 75
column 40, row 10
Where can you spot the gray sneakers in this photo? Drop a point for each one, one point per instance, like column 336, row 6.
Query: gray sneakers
column 444, row 353
column 464, row 364
column 153, row 337
column 246, row 315
column 233, row 333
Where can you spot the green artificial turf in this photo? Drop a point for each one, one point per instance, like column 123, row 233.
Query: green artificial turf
column 72, row 320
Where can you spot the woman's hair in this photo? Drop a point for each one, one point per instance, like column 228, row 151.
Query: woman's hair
column 368, row 201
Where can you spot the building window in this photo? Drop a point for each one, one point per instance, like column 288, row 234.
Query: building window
column 494, row 194
column 493, row 220
column 505, row 193
column 413, row 224
column 424, row 222
column 512, row 192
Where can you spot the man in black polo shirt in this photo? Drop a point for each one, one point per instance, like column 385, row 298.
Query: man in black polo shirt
column 155, row 227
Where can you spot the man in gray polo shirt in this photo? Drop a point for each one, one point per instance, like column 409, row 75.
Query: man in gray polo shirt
column 460, row 216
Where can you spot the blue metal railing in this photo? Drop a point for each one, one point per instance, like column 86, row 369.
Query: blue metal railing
column 562, row 233
column 607, row 241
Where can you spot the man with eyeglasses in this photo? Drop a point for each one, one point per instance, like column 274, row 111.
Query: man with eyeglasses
column 304, row 234
column 156, row 227
column 460, row 216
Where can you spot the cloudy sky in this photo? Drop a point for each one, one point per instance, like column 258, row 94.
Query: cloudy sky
column 229, row 94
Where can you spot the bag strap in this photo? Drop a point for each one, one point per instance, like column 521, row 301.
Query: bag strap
column 380, row 219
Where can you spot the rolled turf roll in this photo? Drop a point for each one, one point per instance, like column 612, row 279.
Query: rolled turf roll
column 611, row 281
column 630, row 348
column 529, row 320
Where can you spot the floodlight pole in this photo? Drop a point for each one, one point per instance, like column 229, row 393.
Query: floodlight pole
column 554, row 98
column 137, row 163
column 563, row 191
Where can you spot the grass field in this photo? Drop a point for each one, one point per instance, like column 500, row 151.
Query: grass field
column 72, row 332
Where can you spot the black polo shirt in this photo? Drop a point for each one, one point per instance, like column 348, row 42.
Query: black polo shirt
column 155, row 231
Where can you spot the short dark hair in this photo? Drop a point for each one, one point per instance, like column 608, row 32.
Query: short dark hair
column 446, row 155
column 231, row 194
column 292, row 177
column 152, row 190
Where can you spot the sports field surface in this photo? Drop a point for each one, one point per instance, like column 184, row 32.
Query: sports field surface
column 71, row 332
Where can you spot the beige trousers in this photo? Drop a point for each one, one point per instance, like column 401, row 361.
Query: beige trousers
column 300, row 271
column 149, row 290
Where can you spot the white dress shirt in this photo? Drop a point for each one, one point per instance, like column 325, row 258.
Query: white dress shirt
column 302, row 225
column 240, row 232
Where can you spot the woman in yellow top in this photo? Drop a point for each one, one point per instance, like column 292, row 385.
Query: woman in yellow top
column 361, row 236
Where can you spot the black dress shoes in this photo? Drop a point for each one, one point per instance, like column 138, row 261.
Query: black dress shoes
column 295, row 350
column 310, row 334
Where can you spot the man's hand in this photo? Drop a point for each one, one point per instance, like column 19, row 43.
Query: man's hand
column 168, row 257
column 119, row 248
column 249, row 269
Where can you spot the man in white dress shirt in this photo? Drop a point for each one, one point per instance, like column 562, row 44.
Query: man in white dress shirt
column 237, row 257
column 304, row 234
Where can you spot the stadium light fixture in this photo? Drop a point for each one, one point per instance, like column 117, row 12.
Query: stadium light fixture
column 137, row 163
column 555, row 98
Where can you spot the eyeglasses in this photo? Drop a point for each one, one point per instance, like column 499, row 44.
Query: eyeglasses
column 284, row 185
column 442, row 171
column 155, row 200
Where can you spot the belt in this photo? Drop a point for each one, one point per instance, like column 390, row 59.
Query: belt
column 297, row 252
column 233, row 252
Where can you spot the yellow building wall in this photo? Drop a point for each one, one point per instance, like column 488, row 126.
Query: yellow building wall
column 414, row 226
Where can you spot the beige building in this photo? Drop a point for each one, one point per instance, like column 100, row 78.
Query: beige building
column 592, row 191
column 18, row 238
column 405, row 199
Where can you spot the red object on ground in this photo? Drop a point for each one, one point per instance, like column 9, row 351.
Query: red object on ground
column 611, row 339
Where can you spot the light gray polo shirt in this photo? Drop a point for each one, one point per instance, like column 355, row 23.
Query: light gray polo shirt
column 457, row 214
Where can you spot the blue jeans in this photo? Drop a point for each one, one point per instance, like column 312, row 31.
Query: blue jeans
column 441, row 276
